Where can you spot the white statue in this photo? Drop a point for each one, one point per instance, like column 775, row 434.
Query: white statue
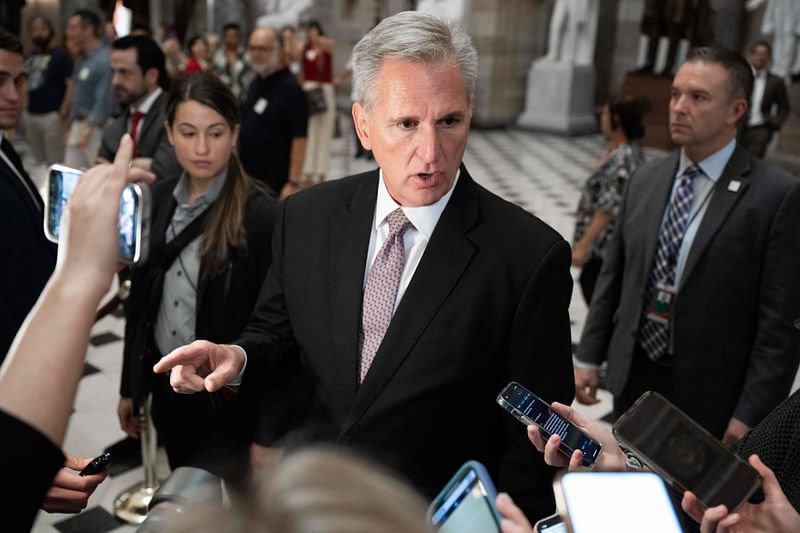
column 573, row 29
column 782, row 21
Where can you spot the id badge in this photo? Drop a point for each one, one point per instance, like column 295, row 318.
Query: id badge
column 261, row 105
column 661, row 307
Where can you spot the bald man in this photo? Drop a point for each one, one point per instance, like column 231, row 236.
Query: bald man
column 272, row 140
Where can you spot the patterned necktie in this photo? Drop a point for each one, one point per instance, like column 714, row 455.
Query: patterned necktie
column 136, row 116
column 655, row 335
column 381, row 290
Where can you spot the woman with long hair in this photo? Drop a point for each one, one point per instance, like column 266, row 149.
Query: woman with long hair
column 209, row 253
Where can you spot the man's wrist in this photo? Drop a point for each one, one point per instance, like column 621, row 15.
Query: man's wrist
column 237, row 381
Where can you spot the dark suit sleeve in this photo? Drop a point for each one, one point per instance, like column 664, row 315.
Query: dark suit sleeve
column 540, row 359
column 599, row 323
column 30, row 461
column 268, row 335
column 165, row 163
column 781, row 102
column 776, row 350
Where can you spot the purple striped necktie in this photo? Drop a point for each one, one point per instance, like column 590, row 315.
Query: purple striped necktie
column 655, row 335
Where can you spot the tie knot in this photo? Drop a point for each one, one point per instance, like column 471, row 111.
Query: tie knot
column 692, row 172
column 398, row 223
column 137, row 115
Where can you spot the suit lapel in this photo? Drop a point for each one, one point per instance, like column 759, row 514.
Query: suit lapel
column 719, row 207
column 349, row 242
column 149, row 122
column 654, row 202
column 445, row 259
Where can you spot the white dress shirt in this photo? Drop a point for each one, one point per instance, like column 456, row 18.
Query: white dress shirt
column 759, row 82
column 415, row 240
column 144, row 108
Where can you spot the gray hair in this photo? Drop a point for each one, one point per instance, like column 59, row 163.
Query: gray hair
column 416, row 37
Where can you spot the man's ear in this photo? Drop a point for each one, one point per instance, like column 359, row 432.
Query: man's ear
column 151, row 76
column 738, row 110
column 361, row 121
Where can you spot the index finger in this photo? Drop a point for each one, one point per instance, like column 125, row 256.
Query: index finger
column 122, row 161
column 179, row 356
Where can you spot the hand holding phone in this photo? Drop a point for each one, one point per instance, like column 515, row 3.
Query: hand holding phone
column 667, row 441
column 97, row 465
column 134, row 212
column 529, row 409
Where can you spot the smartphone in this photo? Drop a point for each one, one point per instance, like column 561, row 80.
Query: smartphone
column 667, row 441
column 466, row 504
column 529, row 409
column 618, row 502
column 134, row 212
column 550, row 524
column 97, row 465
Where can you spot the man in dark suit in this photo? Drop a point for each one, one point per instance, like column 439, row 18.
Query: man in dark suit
column 701, row 282
column 27, row 258
column 769, row 102
column 410, row 295
column 139, row 81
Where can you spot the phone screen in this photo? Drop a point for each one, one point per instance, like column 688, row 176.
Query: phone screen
column 62, row 184
column 674, row 445
column 466, row 508
column 621, row 502
column 537, row 410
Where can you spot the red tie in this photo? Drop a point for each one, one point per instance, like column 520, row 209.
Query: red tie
column 136, row 116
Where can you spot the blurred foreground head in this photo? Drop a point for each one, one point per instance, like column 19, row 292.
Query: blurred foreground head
column 319, row 491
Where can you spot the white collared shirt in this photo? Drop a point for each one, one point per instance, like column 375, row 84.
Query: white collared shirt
column 712, row 168
column 144, row 108
column 759, row 83
column 423, row 222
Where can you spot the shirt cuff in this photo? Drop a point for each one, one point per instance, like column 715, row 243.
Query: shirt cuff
column 577, row 363
column 238, row 379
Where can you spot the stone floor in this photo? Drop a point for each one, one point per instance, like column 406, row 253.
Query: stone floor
column 541, row 173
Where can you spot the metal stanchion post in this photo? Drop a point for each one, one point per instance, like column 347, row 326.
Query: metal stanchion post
column 131, row 504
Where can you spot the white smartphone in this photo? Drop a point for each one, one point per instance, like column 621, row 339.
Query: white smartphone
column 617, row 502
column 134, row 212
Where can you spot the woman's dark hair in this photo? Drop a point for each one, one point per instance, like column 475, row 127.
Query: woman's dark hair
column 225, row 227
column 316, row 25
column 627, row 112
column 194, row 39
